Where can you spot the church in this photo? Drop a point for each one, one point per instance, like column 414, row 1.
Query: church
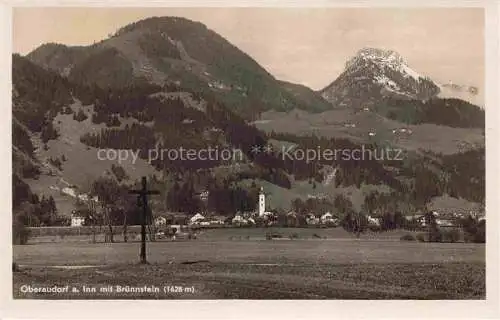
column 262, row 203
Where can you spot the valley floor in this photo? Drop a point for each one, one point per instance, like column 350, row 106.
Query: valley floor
column 294, row 269
column 250, row 281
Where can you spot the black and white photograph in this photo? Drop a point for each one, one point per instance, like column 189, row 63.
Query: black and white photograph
column 248, row 153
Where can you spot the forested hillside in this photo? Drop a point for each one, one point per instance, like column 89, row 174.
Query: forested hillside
column 175, row 51
column 447, row 112
column 170, row 83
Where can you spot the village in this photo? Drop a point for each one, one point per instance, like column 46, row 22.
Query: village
column 165, row 222
column 312, row 153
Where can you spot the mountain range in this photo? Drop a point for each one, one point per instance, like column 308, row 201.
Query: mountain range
column 169, row 82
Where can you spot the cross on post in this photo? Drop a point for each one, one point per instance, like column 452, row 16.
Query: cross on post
column 142, row 197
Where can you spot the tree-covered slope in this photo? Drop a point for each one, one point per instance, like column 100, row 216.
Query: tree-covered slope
column 170, row 50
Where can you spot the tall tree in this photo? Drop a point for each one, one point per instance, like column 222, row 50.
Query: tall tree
column 108, row 193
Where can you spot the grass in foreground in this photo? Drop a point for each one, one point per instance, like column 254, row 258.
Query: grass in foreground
column 252, row 281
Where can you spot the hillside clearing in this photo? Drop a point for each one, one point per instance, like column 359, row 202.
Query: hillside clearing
column 337, row 124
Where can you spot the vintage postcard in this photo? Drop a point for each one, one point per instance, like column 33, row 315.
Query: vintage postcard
column 249, row 153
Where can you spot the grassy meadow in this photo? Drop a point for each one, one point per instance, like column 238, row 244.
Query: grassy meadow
column 241, row 264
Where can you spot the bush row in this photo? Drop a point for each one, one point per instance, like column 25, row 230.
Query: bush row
column 444, row 235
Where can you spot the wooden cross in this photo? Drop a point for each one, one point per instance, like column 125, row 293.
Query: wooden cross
column 142, row 197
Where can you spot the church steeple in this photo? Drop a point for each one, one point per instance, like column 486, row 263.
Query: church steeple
column 262, row 202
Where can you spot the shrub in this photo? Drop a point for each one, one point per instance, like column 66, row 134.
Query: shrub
column 67, row 110
column 20, row 234
column 412, row 225
column 272, row 235
column 29, row 170
column 435, row 235
column 294, row 236
column 474, row 230
column 49, row 133
column 332, row 224
column 56, row 163
column 113, row 121
column 80, row 116
column 452, row 235
column 420, row 237
column 407, row 237
column 375, row 228
column 119, row 172
column 480, row 235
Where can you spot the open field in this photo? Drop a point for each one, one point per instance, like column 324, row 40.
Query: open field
column 247, row 281
column 273, row 251
column 278, row 269
column 84, row 234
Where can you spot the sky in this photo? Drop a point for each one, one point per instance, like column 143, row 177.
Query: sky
column 306, row 46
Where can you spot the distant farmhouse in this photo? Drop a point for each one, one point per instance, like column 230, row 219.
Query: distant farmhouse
column 76, row 220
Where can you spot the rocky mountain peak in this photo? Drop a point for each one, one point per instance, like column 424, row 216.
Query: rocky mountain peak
column 383, row 60
column 373, row 73
column 375, row 55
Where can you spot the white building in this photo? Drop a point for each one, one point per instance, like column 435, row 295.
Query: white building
column 312, row 219
column 238, row 219
column 83, row 197
column 444, row 223
column 373, row 221
column 197, row 218
column 69, row 192
column 76, row 220
column 326, row 217
column 160, row 221
column 262, row 202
